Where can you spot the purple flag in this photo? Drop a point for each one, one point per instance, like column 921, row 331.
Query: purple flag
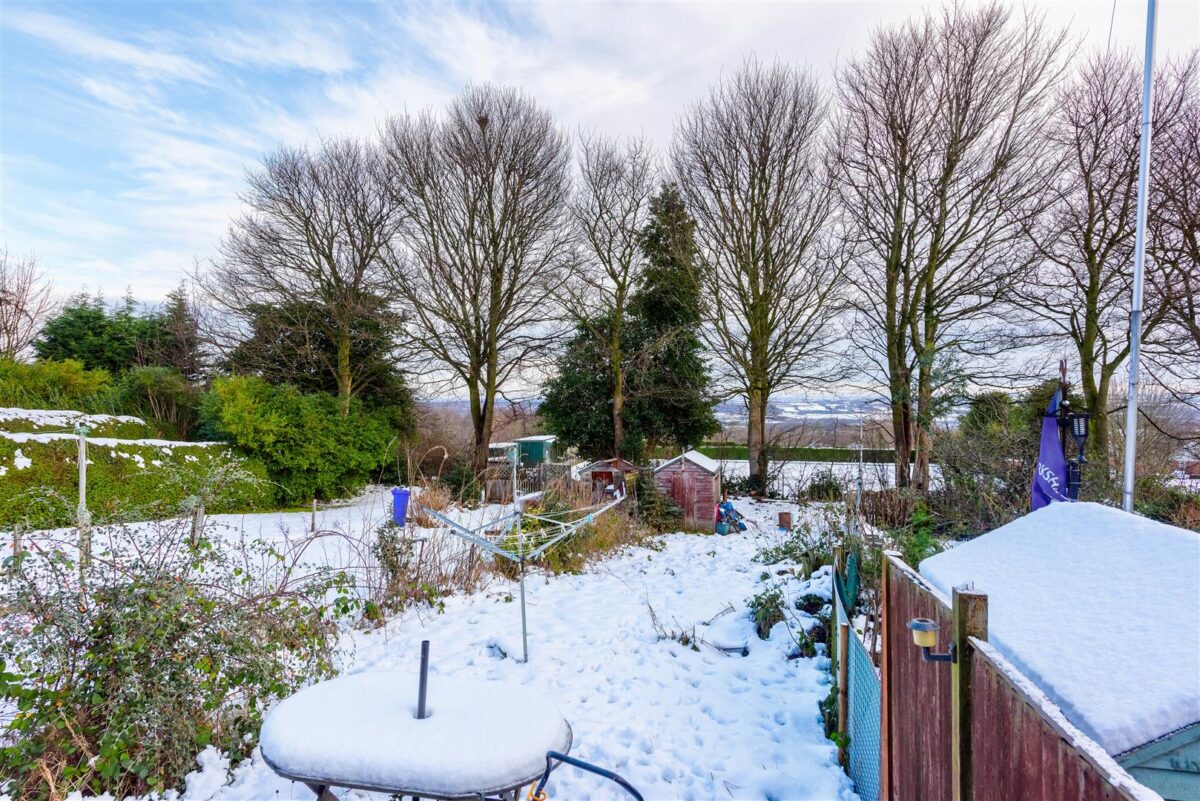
column 1050, row 478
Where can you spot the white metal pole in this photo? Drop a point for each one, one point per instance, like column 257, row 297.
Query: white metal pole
column 83, row 516
column 1139, row 257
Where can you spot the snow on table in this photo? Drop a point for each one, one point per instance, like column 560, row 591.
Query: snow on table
column 677, row 723
column 1101, row 609
column 361, row 731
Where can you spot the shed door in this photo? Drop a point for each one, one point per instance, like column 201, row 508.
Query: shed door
column 683, row 491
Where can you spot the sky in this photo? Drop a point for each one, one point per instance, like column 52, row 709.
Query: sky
column 126, row 129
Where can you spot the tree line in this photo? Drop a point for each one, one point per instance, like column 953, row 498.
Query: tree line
column 962, row 195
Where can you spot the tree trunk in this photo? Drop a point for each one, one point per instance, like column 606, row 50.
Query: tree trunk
column 922, row 439
column 618, row 398
column 901, row 424
column 343, row 371
column 756, row 452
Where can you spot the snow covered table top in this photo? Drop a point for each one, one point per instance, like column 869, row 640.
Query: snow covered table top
column 361, row 731
column 1100, row 608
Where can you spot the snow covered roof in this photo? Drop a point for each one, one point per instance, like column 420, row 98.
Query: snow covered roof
column 1100, row 608
column 538, row 438
column 696, row 458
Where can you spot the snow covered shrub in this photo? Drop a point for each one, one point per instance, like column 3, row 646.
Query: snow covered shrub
column 121, row 669
column 766, row 609
column 810, row 543
column 405, row 582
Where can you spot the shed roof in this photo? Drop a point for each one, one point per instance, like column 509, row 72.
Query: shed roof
column 538, row 438
column 1100, row 608
column 616, row 463
column 695, row 457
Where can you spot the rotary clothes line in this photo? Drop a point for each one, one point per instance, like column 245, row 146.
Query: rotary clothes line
column 504, row 536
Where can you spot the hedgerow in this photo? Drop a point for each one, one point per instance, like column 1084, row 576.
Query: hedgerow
column 125, row 481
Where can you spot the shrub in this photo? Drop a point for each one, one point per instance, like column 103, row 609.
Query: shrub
column 127, row 481
column 809, row 544
column 162, row 394
column 128, row 665
column 55, row 385
column 824, row 486
column 766, row 609
column 659, row 512
column 916, row 541
column 309, row 448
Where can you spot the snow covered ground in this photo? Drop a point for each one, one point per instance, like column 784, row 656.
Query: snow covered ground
column 678, row 723
column 790, row 477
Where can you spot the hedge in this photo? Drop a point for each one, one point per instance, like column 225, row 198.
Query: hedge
column 126, row 481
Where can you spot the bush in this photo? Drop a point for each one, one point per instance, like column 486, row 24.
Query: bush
column 824, row 486
column 308, row 447
column 128, row 666
column 916, row 541
column 55, row 385
column 125, row 481
column 659, row 512
column 766, row 609
column 162, row 394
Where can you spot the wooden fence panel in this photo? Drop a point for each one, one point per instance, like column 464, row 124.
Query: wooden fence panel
column 918, row 693
column 1019, row 751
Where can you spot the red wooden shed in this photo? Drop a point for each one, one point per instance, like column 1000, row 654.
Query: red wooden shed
column 693, row 481
column 615, row 473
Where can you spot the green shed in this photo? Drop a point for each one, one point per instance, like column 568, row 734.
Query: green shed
column 1169, row 765
column 537, row 449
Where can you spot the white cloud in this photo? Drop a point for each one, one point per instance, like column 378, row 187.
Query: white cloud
column 180, row 115
column 71, row 37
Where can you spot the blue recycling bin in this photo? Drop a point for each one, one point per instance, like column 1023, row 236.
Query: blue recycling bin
column 399, row 505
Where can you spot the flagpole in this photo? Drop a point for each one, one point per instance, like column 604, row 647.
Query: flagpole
column 1139, row 257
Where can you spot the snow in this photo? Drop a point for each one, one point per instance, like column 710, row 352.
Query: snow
column 64, row 418
column 362, row 730
column 21, row 461
column 788, row 477
column 696, row 458
column 108, row 442
column 679, row 722
column 1097, row 607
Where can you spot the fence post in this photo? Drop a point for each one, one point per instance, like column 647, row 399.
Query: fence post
column 970, row 620
column 197, row 523
column 843, row 687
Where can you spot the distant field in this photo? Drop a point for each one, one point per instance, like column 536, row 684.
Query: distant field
column 734, row 452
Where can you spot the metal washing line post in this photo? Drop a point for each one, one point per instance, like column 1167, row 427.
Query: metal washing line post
column 1139, row 258
column 512, row 521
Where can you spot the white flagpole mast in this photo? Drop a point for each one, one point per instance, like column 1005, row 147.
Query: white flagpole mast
column 1139, row 257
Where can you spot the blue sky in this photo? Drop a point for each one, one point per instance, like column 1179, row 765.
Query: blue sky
column 126, row 128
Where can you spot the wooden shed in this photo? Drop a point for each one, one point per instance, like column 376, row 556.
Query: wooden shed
column 693, row 481
column 616, row 473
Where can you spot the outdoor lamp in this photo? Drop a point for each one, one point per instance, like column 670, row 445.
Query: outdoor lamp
column 925, row 636
column 1079, row 431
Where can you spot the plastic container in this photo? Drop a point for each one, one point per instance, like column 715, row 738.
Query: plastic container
column 722, row 528
column 399, row 505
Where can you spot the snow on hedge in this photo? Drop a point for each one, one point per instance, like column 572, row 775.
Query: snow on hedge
column 1101, row 609
column 63, row 418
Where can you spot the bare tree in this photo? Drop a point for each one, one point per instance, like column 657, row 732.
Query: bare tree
column 480, row 256
column 609, row 209
column 1082, row 289
column 942, row 166
column 1174, row 277
column 26, row 300
column 747, row 160
column 304, row 259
